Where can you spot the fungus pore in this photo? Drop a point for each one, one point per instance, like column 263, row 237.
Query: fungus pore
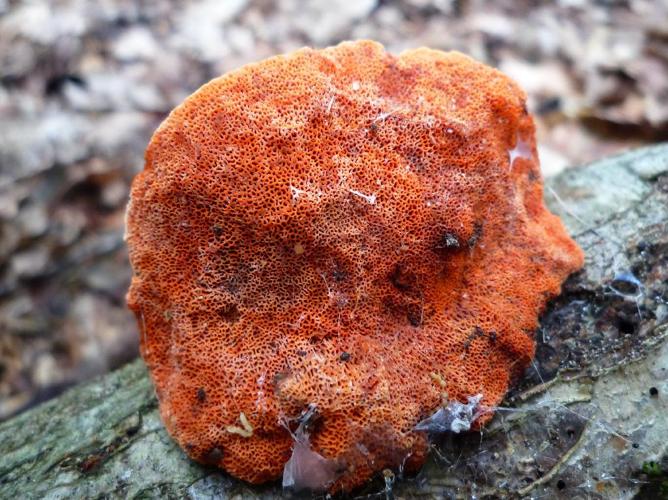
column 344, row 230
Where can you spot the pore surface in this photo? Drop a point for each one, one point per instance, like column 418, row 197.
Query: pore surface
column 343, row 230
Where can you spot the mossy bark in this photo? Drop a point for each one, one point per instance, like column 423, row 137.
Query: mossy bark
column 585, row 421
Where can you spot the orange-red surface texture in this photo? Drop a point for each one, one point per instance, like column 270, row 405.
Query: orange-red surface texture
column 344, row 230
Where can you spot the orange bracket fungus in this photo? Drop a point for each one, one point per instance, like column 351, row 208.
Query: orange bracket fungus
column 336, row 253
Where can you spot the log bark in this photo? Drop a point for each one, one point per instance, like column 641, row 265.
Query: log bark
column 589, row 420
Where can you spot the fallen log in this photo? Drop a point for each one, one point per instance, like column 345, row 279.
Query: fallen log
column 590, row 419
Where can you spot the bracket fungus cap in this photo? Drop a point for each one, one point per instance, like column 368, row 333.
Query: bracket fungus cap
column 346, row 230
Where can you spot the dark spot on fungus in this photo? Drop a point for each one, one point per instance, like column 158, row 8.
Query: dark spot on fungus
column 279, row 377
column 213, row 456
column 561, row 484
column 477, row 333
column 201, row 395
column 339, row 275
column 636, row 445
column 477, row 233
column 414, row 315
column 229, row 313
column 415, row 159
column 402, row 279
column 340, row 469
column 654, row 392
column 448, row 241
column 533, row 176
